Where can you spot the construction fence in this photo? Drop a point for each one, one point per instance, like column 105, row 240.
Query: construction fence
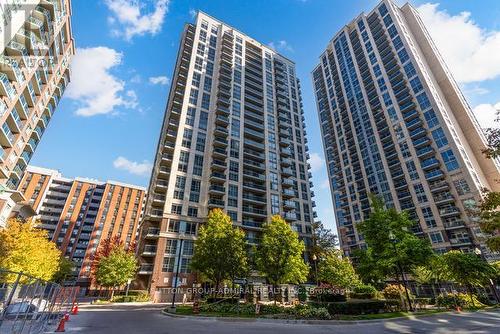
column 31, row 305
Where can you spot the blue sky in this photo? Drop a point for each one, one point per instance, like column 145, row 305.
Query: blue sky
column 108, row 122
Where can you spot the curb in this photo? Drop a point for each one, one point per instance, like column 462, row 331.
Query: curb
column 299, row 321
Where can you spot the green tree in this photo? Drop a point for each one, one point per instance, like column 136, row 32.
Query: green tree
column 26, row 248
column 433, row 272
column 391, row 245
column 220, row 249
column 490, row 218
column 468, row 270
column 324, row 240
column 337, row 270
column 64, row 270
column 116, row 269
column 279, row 255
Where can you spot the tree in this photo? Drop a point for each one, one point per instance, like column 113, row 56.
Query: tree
column 116, row 269
column 279, row 255
column 105, row 248
column 220, row 249
column 391, row 248
column 433, row 272
column 468, row 270
column 25, row 248
column 324, row 240
column 64, row 270
column 490, row 218
column 337, row 271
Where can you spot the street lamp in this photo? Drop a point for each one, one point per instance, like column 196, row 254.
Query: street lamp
column 315, row 259
column 479, row 253
column 394, row 241
column 174, row 283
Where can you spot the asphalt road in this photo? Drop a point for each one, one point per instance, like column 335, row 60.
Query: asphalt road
column 140, row 319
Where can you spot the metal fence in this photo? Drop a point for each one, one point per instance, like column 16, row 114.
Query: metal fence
column 31, row 305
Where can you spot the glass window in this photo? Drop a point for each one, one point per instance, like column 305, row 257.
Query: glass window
column 439, row 137
column 450, row 160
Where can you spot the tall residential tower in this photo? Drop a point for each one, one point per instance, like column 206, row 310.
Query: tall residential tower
column 233, row 138
column 395, row 123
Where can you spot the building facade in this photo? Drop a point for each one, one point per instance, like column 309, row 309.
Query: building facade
column 234, row 138
column 79, row 213
column 395, row 123
column 36, row 45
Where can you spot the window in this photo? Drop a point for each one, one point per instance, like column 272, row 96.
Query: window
column 171, row 246
column 188, row 247
column 203, row 120
column 193, row 96
column 168, row 264
column 205, row 101
column 192, row 212
column 436, row 237
column 449, row 160
column 198, row 65
column 462, row 186
column 431, row 118
column 233, row 170
column 439, row 137
column 273, row 177
column 185, row 266
column 275, row 204
column 403, row 56
column 196, row 79
column 412, row 170
column 423, row 101
column 207, row 85
column 191, row 113
column 210, row 68
column 416, row 85
column 429, row 217
column 200, row 142
column 235, row 148
column 233, row 191
column 198, row 165
column 410, row 70
column 419, row 190
column 194, row 195
column 180, row 184
column 186, row 138
column 236, row 109
column 176, row 208
column 183, row 162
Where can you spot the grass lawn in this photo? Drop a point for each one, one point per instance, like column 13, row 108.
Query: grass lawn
column 188, row 310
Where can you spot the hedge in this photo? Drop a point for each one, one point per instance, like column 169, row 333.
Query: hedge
column 354, row 307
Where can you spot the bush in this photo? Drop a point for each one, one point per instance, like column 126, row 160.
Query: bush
column 134, row 296
column 227, row 300
column 356, row 307
column 395, row 291
column 302, row 293
column 453, row 300
column 327, row 295
column 363, row 292
column 228, row 308
column 309, row 312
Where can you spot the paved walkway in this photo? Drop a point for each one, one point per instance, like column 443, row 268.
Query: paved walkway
column 147, row 318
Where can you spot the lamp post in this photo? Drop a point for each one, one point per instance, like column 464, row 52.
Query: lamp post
column 315, row 259
column 394, row 241
column 177, row 272
column 479, row 253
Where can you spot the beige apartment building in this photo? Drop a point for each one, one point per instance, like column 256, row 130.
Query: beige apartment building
column 36, row 45
column 395, row 123
column 79, row 213
column 234, row 138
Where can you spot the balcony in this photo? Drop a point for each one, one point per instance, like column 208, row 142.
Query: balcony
column 288, row 193
column 254, row 211
column 146, row 269
column 253, row 198
column 449, row 211
column 290, row 216
column 152, row 233
column 434, row 175
column 429, row 163
column 287, row 171
column 254, row 186
column 253, row 164
column 215, row 176
column 287, row 183
column 460, row 241
column 217, row 189
column 254, row 175
column 424, row 151
column 216, row 203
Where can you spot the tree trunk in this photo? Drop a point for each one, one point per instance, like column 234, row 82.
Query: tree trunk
column 112, row 292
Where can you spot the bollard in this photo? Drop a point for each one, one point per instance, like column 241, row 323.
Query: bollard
column 60, row 328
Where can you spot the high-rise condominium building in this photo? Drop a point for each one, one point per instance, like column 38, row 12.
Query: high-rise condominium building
column 36, row 44
column 79, row 213
column 233, row 138
column 395, row 123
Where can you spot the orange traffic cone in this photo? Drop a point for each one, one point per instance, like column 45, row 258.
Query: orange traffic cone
column 459, row 309
column 60, row 328
column 74, row 311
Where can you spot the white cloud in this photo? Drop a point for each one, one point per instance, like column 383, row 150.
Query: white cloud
column 161, row 80
column 325, row 184
column 133, row 17
column 192, row 13
column 316, row 161
column 95, row 89
column 487, row 115
column 472, row 53
column 281, row 46
column 133, row 167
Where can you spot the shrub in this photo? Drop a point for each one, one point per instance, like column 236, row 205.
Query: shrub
column 309, row 312
column 327, row 295
column 453, row 300
column 134, row 296
column 302, row 293
column 395, row 291
column 363, row 291
column 228, row 308
column 356, row 307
